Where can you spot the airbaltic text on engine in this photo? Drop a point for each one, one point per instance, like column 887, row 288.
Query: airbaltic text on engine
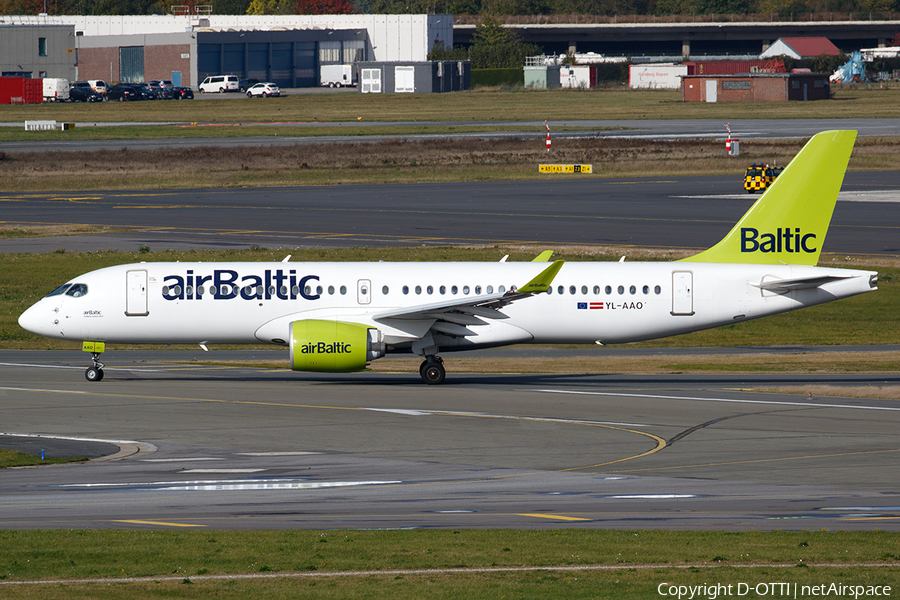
column 752, row 240
column 227, row 284
column 325, row 348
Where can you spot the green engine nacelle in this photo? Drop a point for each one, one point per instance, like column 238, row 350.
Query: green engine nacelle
column 333, row 346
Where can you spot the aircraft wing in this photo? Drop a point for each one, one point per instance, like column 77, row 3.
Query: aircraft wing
column 467, row 310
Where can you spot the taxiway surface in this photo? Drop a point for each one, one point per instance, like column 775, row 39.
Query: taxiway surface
column 241, row 448
column 667, row 212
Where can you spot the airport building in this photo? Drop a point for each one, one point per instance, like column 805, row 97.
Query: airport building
column 285, row 49
column 39, row 50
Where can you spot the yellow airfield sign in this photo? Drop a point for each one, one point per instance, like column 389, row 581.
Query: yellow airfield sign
column 566, row 168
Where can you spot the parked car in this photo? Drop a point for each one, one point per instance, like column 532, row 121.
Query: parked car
column 220, row 84
column 162, row 88
column 146, row 91
column 264, row 89
column 81, row 91
column 99, row 86
column 123, row 92
column 184, row 93
column 246, row 84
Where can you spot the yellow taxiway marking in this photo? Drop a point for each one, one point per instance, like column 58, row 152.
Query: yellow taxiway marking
column 164, row 524
column 558, row 517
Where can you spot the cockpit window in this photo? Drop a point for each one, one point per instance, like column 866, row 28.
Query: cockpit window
column 60, row 290
column 77, row 290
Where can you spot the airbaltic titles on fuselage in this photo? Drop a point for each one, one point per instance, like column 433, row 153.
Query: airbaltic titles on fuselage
column 226, row 284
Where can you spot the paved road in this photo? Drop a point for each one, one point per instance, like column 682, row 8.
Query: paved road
column 670, row 212
column 744, row 129
column 236, row 448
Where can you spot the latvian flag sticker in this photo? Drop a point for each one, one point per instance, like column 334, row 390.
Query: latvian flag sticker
column 589, row 305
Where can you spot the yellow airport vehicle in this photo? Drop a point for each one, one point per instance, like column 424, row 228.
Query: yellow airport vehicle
column 760, row 176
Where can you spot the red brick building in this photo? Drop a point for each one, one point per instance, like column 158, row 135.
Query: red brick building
column 755, row 87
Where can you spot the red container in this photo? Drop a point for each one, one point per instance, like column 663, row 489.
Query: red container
column 731, row 67
column 21, row 90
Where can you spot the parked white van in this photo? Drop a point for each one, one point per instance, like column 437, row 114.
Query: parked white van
column 220, row 84
column 56, row 90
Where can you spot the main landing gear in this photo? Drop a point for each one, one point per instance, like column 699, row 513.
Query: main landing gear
column 432, row 370
column 94, row 373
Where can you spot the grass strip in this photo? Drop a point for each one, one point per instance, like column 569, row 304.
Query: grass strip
column 451, row 564
column 481, row 105
column 104, row 553
column 400, row 161
column 14, row 458
column 625, row 584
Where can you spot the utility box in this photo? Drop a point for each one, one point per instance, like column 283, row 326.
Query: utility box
column 542, row 77
column 579, row 77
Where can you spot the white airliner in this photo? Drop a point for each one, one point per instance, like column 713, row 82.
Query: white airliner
column 338, row 317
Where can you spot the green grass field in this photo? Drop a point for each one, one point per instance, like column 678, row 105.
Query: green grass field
column 304, row 564
column 470, row 106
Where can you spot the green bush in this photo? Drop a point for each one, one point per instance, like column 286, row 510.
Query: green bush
column 511, row 77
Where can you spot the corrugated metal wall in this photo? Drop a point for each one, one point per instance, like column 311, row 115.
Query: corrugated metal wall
column 131, row 64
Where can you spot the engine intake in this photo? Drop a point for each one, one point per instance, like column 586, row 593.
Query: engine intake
column 333, row 346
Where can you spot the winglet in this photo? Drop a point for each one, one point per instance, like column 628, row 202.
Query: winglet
column 787, row 225
column 543, row 281
column 543, row 256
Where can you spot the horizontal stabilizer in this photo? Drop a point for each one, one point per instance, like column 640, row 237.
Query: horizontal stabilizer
column 800, row 283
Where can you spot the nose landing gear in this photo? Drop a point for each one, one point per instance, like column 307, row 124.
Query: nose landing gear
column 95, row 372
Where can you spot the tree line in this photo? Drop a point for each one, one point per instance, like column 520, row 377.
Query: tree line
column 606, row 8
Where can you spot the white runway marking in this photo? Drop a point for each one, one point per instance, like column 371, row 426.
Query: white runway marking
column 76, row 367
column 275, row 453
column 732, row 400
column 231, row 484
column 162, row 460
column 18, row 389
column 222, row 471
column 453, row 413
column 651, row 497
column 862, row 196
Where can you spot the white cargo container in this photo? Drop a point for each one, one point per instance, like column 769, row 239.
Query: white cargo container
column 656, row 77
column 338, row 75
column 56, row 90
column 577, row 77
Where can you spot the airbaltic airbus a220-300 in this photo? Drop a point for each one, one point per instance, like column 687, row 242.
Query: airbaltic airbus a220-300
column 338, row 317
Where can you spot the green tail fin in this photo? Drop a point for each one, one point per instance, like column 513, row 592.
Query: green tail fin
column 787, row 225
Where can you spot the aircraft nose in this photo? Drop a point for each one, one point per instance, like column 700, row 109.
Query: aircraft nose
column 39, row 319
